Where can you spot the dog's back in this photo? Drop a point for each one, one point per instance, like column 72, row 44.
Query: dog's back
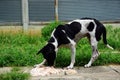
column 77, row 29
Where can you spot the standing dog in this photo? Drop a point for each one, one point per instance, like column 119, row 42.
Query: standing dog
column 70, row 34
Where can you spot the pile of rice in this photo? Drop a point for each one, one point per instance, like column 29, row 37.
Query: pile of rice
column 47, row 71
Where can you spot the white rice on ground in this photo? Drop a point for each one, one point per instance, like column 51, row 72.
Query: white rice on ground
column 47, row 71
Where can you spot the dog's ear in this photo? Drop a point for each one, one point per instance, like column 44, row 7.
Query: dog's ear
column 40, row 51
column 49, row 48
column 44, row 49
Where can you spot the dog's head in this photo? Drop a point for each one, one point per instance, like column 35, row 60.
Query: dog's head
column 49, row 53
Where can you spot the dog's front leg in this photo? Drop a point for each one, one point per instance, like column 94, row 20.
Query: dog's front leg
column 41, row 64
column 73, row 53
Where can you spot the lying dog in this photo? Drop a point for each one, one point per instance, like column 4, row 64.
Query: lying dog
column 70, row 34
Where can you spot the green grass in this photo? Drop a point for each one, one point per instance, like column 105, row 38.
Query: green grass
column 47, row 30
column 19, row 49
column 15, row 74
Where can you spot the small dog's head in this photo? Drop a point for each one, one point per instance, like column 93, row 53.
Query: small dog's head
column 49, row 53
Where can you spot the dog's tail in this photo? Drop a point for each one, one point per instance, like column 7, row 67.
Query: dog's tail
column 105, row 40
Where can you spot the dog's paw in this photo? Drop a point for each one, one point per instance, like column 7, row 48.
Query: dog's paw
column 69, row 67
column 87, row 66
column 38, row 65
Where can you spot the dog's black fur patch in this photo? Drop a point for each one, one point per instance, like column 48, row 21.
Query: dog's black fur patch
column 72, row 29
column 49, row 53
column 60, row 35
column 90, row 26
column 100, row 30
column 51, row 39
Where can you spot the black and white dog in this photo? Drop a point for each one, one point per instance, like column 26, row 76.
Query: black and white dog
column 70, row 34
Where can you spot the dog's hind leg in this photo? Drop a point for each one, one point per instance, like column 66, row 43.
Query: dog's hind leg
column 95, row 52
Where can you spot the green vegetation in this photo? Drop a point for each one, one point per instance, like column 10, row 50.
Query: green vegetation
column 15, row 74
column 19, row 49
column 47, row 30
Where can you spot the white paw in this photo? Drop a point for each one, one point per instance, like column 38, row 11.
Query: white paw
column 70, row 67
column 38, row 65
column 87, row 66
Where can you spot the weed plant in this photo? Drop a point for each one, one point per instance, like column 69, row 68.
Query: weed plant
column 19, row 49
column 15, row 74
